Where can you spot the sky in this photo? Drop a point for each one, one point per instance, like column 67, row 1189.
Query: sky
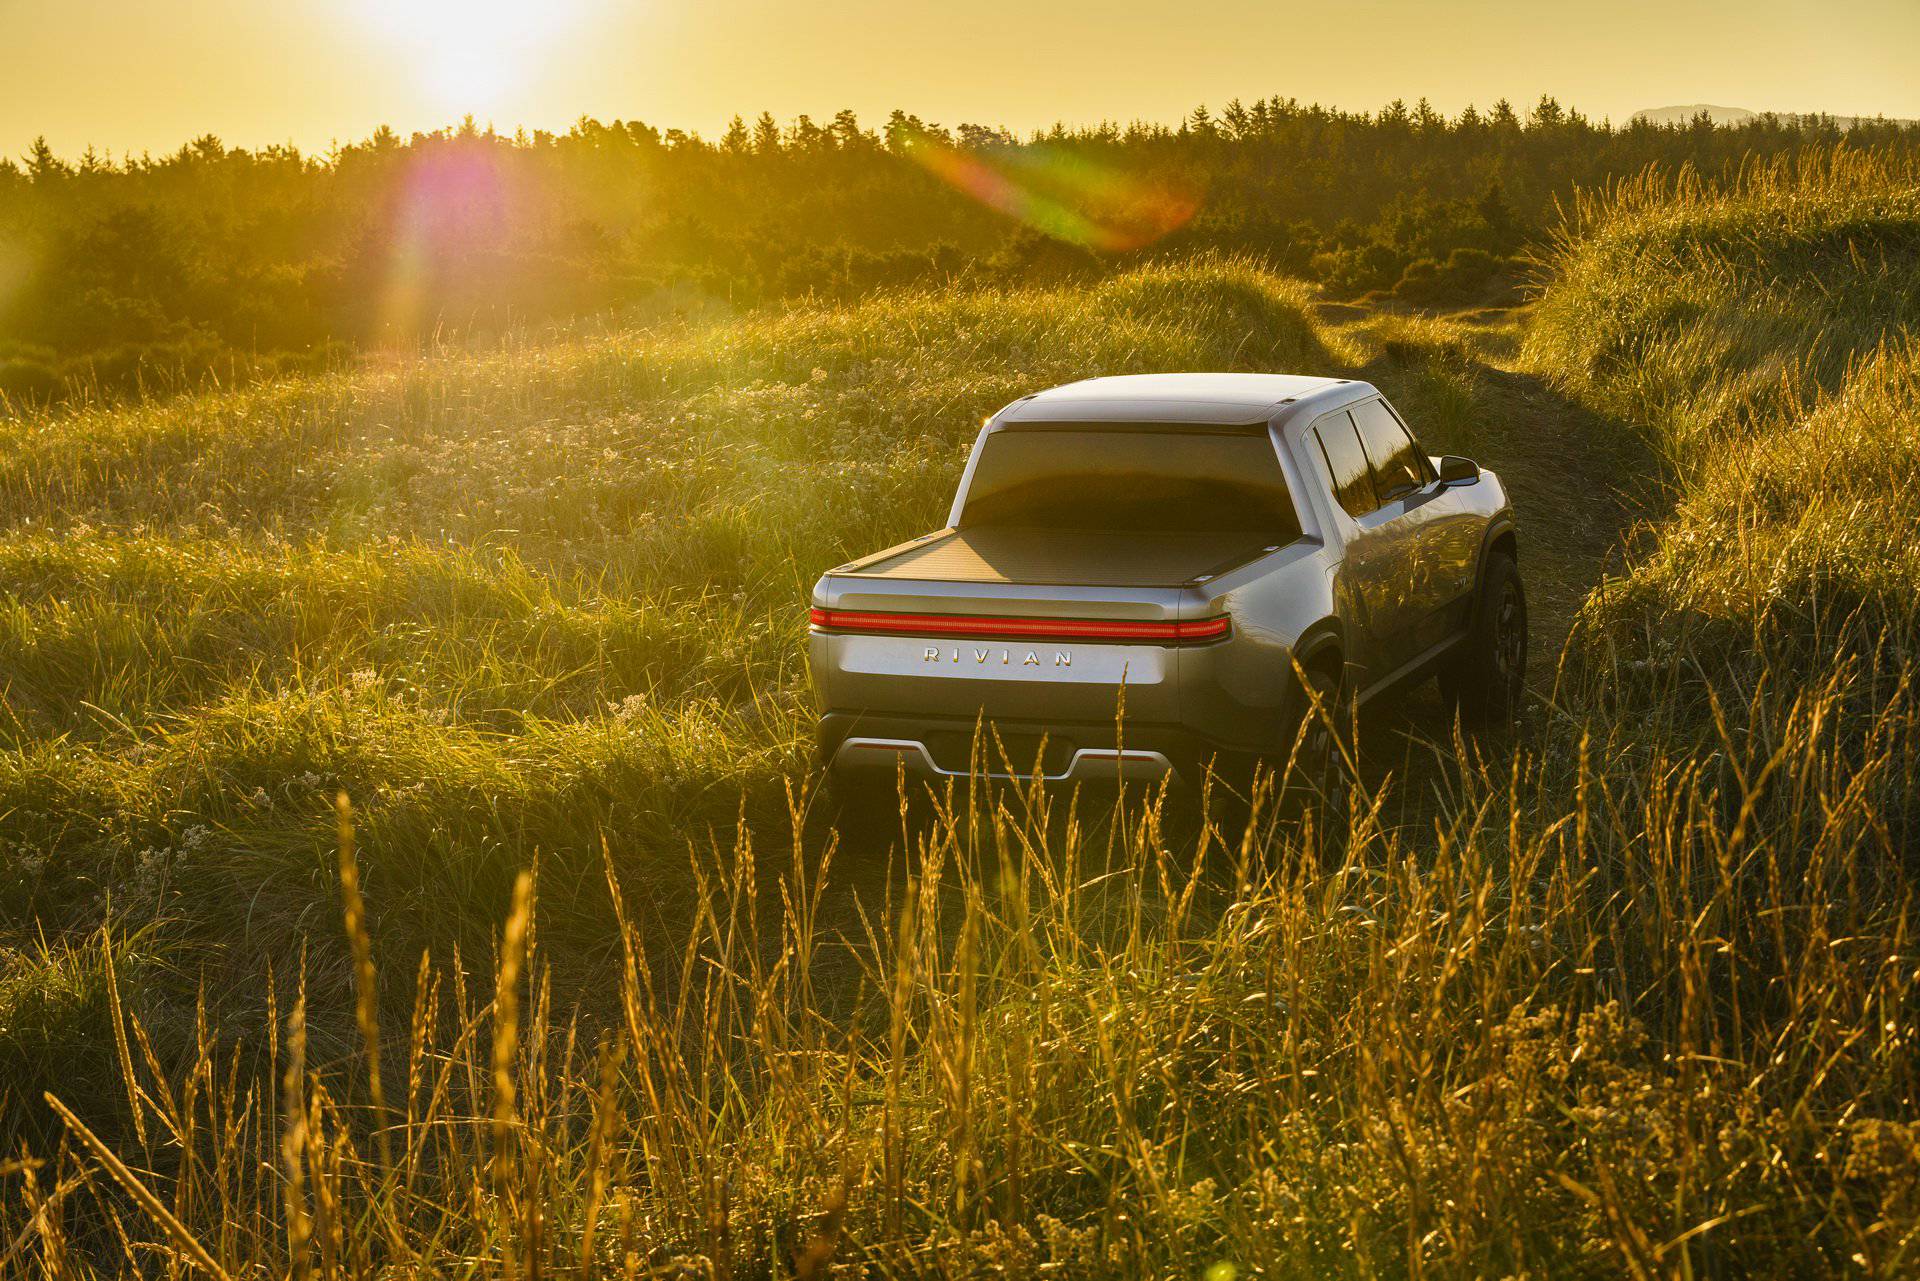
column 126, row 76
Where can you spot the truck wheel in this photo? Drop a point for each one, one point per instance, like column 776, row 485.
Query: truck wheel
column 1319, row 763
column 1487, row 676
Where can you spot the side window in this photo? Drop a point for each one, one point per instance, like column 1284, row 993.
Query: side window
column 1346, row 463
column 1398, row 468
column 1420, row 457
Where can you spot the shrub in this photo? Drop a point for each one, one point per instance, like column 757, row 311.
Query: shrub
column 1463, row 278
column 26, row 383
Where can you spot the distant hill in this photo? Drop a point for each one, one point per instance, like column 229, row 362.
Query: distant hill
column 1684, row 115
column 1739, row 116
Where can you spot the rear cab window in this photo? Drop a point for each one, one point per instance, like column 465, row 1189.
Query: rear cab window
column 1399, row 468
column 1131, row 478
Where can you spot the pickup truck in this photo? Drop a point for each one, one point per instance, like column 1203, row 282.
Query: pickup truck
column 1150, row 575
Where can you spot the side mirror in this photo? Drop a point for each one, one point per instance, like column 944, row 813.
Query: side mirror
column 1455, row 470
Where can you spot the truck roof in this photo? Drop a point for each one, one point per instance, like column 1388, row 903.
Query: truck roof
column 1171, row 398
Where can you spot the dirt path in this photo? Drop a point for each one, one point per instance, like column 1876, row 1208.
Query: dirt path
column 1577, row 481
column 1565, row 467
column 1576, row 477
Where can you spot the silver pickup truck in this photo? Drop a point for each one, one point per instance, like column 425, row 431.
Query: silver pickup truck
column 1146, row 574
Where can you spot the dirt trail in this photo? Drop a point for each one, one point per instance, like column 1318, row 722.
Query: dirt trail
column 1575, row 476
column 1566, row 468
column 1577, row 481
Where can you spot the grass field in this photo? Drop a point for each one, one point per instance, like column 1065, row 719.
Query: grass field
column 1629, row 991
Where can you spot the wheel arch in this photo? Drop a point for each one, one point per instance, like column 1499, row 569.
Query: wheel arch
column 1502, row 535
column 1322, row 644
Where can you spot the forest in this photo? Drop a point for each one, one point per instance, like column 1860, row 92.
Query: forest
column 219, row 264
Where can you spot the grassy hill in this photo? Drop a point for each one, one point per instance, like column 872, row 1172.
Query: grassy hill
column 534, row 601
column 1765, row 342
column 1630, row 992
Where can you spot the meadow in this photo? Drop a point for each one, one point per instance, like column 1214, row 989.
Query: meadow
column 409, row 860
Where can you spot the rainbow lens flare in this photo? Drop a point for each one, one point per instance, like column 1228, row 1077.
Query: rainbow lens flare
column 1061, row 193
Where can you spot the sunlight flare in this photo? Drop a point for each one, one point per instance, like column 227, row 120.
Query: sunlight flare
column 469, row 54
column 1065, row 196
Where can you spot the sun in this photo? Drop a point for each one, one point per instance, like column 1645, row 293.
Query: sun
column 469, row 54
column 469, row 76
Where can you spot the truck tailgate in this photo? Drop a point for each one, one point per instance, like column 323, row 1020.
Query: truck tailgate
column 953, row 627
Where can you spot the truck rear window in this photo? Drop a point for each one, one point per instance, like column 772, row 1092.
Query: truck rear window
column 1123, row 479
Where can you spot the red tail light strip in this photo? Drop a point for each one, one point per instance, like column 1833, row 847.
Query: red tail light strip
column 975, row 627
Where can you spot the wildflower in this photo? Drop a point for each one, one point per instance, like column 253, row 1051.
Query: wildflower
column 147, row 884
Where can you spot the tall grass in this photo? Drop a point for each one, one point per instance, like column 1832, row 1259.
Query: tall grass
column 1644, row 1022
column 1630, row 994
column 1763, row 336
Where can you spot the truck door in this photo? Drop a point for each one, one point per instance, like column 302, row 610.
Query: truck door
column 1424, row 575
column 1449, row 552
column 1367, row 567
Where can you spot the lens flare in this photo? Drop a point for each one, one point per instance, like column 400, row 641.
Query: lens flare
column 1061, row 193
column 449, row 214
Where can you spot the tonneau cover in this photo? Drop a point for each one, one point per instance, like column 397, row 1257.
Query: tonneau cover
column 1002, row 555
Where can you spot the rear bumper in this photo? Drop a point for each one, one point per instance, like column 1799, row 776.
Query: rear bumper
column 853, row 743
column 914, row 701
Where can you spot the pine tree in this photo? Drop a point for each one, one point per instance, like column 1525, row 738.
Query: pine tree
column 766, row 135
column 1238, row 123
column 805, row 136
column 1498, row 215
column 903, row 131
column 42, row 164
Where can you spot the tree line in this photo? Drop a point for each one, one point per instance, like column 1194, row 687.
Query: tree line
column 218, row 261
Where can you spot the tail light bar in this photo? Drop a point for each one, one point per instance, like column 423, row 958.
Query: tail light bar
column 975, row 627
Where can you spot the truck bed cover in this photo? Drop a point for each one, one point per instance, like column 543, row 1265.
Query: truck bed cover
column 1005, row 555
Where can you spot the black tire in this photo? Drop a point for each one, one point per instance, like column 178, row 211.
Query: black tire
column 1317, row 738
column 1486, row 678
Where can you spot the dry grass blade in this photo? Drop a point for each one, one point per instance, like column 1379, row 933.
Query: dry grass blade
column 184, row 1240
column 366, row 1008
column 506, row 1041
column 294, row 1141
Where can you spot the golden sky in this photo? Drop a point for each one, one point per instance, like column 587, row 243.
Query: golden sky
column 132, row 75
